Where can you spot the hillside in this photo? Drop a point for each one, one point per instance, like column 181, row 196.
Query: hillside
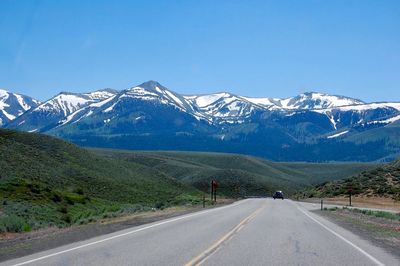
column 238, row 175
column 383, row 181
column 48, row 182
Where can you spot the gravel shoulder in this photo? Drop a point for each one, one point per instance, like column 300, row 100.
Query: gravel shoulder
column 21, row 244
column 380, row 203
column 382, row 232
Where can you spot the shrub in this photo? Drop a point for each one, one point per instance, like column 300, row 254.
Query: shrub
column 26, row 228
column 63, row 209
column 13, row 223
column 159, row 205
column 79, row 191
column 56, row 197
column 67, row 218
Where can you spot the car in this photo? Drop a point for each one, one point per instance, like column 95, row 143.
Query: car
column 278, row 195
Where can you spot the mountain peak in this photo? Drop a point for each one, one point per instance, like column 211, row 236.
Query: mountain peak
column 13, row 105
column 318, row 100
column 151, row 85
column 109, row 90
column 3, row 92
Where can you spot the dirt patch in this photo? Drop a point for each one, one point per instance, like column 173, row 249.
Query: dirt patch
column 382, row 232
column 361, row 202
column 15, row 245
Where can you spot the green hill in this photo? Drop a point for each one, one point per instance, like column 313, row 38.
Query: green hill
column 48, row 182
column 238, row 175
column 382, row 181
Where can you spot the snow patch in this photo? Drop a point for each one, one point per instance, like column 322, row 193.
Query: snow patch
column 9, row 116
column 205, row 100
column 260, row 101
column 100, row 104
column 176, row 99
column 369, row 106
column 21, row 102
column 337, row 135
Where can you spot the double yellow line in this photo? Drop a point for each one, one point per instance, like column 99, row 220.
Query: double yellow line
column 198, row 260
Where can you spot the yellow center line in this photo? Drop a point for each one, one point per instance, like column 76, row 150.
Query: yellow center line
column 198, row 260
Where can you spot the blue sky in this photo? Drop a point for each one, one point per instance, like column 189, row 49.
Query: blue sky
column 253, row 48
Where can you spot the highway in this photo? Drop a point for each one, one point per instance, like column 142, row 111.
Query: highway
column 247, row 232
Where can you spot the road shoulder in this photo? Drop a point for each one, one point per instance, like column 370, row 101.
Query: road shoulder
column 382, row 232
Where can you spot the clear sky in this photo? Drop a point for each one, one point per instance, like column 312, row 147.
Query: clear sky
column 253, row 48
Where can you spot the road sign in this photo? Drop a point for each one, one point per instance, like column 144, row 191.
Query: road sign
column 214, row 186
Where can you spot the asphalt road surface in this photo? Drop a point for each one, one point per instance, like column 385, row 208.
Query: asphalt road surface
column 248, row 232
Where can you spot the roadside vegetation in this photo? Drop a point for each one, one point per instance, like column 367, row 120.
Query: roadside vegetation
column 373, row 213
column 47, row 182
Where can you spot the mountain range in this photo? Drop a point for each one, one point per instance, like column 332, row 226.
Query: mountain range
column 13, row 105
column 312, row 126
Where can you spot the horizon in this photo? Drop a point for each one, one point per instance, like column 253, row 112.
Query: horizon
column 259, row 49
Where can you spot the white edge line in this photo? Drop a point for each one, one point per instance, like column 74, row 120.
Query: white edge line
column 376, row 261
column 127, row 233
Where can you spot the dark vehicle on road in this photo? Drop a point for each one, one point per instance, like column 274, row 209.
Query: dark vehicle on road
column 278, row 195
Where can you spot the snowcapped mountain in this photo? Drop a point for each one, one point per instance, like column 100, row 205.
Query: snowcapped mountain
column 223, row 107
column 305, row 101
column 57, row 110
column 12, row 105
column 315, row 100
column 361, row 115
column 150, row 116
column 154, row 92
column 66, row 103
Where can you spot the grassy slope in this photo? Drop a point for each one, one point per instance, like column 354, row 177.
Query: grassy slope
column 238, row 175
column 45, row 181
column 382, row 181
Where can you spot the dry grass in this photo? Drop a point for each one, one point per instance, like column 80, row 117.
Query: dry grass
column 381, row 228
column 362, row 202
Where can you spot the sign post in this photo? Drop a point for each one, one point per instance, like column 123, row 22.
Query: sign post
column 212, row 191
column 214, row 186
column 350, row 191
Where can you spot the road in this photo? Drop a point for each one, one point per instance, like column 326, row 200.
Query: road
column 248, row 232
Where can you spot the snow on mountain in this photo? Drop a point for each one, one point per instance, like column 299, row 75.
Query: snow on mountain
column 217, row 108
column 389, row 120
column 223, row 107
column 370, row 106
column 86, row 110
column 304, row 101
column 12, row 105
column 265, row 102
column 337, row 134
column 316, row 100
column 58, row 110
column 362, row 114
column 67, row 103
column 155, row 92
